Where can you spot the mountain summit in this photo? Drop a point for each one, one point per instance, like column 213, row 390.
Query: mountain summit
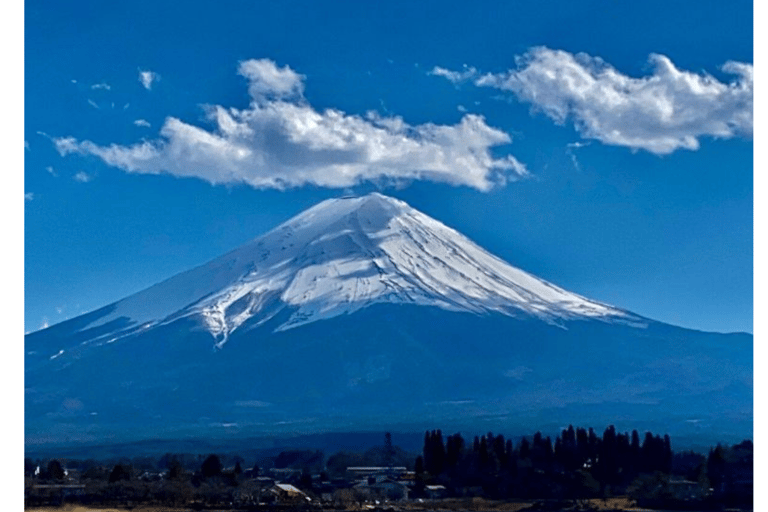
column 362, row 312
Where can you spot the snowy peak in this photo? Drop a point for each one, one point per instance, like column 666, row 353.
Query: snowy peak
column 346, row 254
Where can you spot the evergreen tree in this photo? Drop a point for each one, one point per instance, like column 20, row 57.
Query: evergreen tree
column 439, row 452
column 482, row 454
column 499, row 451
column 211, row 466
column 418, row 467
column 119, row 472
column 716, row 466
column 175, row 469
column 454, row 446
column 525, row 449
column 667, row 454
column 634, row 453
column 647, row 452
column 54, row 470
column 389, row 452
column 582, row 446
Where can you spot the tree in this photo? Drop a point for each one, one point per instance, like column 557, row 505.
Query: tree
column 389, row 452
column 420, row 476
column 175, row 469
column 29, row 467
column 119, row 472
column 211, row 466
column 305, row 481
column 55, row 471
column 716, row 466
column 434, row 452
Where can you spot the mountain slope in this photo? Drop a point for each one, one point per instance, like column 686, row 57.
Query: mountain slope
column 361, row 311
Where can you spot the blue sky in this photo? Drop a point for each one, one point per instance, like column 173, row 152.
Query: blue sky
column 603, row 146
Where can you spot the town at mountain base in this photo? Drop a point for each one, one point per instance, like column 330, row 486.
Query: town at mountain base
column 579, row 470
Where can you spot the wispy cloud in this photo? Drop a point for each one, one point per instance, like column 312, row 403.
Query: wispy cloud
column 147, row 78
column 82, row 177
column 104, row 86
column 569, row 149
column 26, row 145
column 281, row 141
column 93, row 104
column 667, row 110
column 142, row 122
column 29, row 196
column 455, row 77
column 51, row 171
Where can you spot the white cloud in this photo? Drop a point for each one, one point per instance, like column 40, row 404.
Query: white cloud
column 26, row 145
column 147, row 78
column 280, row 141
column 102, row 85
column 455, row 77
column 51, row 171
column 93, row 104
column 142, row 122
column 28, row 196
column 667, row 110
column 266, row 80
column 82, row 177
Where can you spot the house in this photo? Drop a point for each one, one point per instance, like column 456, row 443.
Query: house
column 362, row 472
column 286, row 493
column 435, row 492
column 384, row 489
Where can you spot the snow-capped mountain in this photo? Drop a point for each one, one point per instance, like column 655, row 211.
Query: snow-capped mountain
column 362, row 309
column 343, row 255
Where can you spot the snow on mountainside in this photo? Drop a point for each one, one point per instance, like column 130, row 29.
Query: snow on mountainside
column 343, row 255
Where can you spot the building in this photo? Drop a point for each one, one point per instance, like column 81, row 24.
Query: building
column 382, row 489
column 435, row 492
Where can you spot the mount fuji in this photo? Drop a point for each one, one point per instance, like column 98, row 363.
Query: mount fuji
column 362, row 312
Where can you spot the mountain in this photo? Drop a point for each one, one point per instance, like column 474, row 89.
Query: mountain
column 362, row 312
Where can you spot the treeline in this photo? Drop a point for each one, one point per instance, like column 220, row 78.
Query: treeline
column 580, row 464
column 577, row 464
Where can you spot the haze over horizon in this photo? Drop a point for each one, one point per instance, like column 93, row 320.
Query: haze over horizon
column 604, row 148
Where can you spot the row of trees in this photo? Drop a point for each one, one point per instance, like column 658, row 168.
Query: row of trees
column 577, row 464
